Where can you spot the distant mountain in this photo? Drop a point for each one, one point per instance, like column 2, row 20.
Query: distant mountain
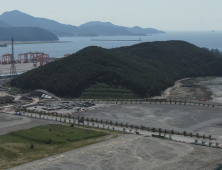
column 93, row 23
column 87, row 35
column 139, row 30
column 105, row 30
column 4, row 24
column 26, row 34
column 19, row 19
column 134, row 30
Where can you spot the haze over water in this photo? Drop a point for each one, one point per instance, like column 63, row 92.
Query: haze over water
column 200, row 39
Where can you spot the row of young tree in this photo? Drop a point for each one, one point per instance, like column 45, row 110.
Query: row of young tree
column 146, row 69
column 86, row 121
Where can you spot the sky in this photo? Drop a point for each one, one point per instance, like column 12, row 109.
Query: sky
column 166, row 15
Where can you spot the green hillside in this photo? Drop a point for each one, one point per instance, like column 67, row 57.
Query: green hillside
column 144, row 69
column 26, row 34
column 103, row 91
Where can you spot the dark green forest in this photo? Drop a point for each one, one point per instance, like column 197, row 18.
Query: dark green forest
column 26, row 34
column 103, row 91
column 145, row 69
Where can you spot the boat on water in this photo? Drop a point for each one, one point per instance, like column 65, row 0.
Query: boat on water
column 3, row 45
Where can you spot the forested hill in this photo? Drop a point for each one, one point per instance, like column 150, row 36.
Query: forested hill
column 26, row 34
column 146, row 69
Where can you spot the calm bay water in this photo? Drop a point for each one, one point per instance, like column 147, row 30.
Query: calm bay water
column 200, row 39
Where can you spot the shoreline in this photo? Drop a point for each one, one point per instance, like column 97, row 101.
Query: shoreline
column 32, row 42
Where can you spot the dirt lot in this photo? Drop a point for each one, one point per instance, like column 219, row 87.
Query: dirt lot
column 215, row 86
column 189, row 88
column 177, row 117
column 209, row 88
column 131, row 152
column 136, row 152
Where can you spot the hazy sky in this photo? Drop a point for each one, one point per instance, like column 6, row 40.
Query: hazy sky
column 167, row 15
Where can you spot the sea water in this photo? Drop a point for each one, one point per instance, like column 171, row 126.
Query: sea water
column 74, row 44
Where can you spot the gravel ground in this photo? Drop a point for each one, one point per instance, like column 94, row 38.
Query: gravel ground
column 131, row 152
column 177, row 117
column 9, row 123
column 183, row 89
column 215, row 86
column 70, row 111
column 19, row 67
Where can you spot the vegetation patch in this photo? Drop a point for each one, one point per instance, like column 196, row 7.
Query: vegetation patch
column 103, row 91
column 23, row 146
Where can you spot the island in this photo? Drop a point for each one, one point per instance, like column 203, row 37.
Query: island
column 87, row 35
column 26, row 34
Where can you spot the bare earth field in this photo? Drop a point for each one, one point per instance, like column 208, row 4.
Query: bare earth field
column 138, row 152
column 131, row 152
column 215, row 86
column 209, row 88
column 195, row 119
column 188, row 89
column 19, row 67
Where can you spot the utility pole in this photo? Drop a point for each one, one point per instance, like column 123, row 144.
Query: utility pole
column 13, row 67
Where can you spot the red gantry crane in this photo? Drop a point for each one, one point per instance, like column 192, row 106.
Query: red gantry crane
column 34, row 57
column 46, row 58
column 37, row 57
column 3, row 59
column 6, row 59
column 19, row 58
column 9, row 58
